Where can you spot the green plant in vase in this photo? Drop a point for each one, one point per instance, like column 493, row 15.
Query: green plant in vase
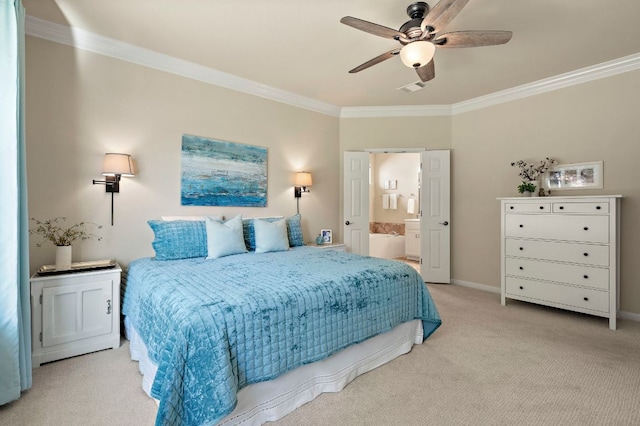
column 526, row 187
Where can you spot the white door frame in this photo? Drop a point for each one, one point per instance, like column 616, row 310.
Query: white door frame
column 424, row 229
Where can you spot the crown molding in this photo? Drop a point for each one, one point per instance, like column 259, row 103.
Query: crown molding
column 396, row 111
column 91, row 42
column 583, row 75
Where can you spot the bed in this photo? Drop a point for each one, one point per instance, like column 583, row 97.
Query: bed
column 210, row 333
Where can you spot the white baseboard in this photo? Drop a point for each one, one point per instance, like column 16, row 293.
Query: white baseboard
column 484, row 287
column 621, row 314
column 629, row 315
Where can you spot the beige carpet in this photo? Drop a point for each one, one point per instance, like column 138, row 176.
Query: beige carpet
column 487, row 365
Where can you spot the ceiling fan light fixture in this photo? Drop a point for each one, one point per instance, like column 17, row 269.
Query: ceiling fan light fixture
column 417, row 54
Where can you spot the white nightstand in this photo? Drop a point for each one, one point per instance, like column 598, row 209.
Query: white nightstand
column 332, row 246
column 75, row 313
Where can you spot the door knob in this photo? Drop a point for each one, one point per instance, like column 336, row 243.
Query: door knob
column 445, row 223
column 347, row 223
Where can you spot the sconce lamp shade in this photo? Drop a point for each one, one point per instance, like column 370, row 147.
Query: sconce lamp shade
column 303, row 179
column 417, row 54
column 117, row 164
column 114, row 167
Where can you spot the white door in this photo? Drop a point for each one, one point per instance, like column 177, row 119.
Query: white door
column 435, row 241
column 356, row 202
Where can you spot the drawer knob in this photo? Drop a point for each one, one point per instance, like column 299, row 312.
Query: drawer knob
column 585, row 254
column 511, row 207
column 586, row 299
column 586, row 277
column 521, row 248
column 586, row 228
column 541, row 207
column 521, row 288
column 521, row 268
column 561, row 207
column 598, row 207
column 521, row 226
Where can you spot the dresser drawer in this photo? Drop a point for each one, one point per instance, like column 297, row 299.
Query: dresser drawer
column 583, row 298
column 593, row 229
column 588, row 254
column 560, row 272
column 581, row 207
column 527, row 207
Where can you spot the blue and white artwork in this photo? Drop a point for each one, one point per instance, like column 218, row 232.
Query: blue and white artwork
column 220, row 173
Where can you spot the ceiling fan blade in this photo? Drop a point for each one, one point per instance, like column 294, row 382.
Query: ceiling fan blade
column 376, row 60
column 371, row 28
column 442, row 13
column 427, row 72
column 472, row 38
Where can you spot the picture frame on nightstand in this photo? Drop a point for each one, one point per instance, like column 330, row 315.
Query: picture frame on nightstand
column 327, row 236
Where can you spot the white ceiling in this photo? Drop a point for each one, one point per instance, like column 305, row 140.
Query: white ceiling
column 300, row 46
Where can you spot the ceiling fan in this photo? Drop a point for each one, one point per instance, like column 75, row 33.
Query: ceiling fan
column 421, row 35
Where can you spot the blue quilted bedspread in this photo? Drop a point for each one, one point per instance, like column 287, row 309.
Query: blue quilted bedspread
column 215, row 326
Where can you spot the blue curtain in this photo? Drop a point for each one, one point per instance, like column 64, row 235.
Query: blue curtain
column 15, row 313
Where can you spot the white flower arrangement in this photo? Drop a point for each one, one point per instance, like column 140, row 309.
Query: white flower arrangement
column 530, row 172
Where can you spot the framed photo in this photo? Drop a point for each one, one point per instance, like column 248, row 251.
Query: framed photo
column 575, row 176
column 327, row 236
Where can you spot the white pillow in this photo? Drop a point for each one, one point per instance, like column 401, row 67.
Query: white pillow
column 171, row 218
column 271, row 236
column 224, row 239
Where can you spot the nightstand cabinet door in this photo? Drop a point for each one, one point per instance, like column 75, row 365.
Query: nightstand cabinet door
column 75, row 312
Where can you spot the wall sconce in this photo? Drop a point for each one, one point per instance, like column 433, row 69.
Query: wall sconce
column 114, row 167
column 301, row 184
column 302, row 181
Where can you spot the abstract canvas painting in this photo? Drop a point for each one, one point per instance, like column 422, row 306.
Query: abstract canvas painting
column 220, row 173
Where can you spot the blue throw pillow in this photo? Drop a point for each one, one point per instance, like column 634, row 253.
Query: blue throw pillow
column 271, row 236
column 224, row 239
column 179, row 239
column 294, row 231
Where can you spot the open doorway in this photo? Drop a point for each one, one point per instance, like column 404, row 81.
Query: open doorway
column 429, row 232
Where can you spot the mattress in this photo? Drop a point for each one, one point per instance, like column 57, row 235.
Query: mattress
column 214, row 327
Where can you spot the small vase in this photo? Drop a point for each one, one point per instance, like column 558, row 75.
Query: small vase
column 63, row 258
column 319, row 240
column 526, row 194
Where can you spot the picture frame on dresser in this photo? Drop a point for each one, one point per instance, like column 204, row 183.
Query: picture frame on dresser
column 327, row 236
column 575, row 176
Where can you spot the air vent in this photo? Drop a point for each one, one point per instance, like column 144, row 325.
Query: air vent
column 413, row 87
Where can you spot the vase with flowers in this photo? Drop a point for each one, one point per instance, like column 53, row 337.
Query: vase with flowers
column 54, row 231
column 530, row 173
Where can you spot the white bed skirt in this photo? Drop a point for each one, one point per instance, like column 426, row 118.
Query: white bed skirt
column 272, row 400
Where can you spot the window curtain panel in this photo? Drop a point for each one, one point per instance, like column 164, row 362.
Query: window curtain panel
column 15, row 323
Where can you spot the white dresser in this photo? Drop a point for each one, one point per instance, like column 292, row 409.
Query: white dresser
column 562, row 252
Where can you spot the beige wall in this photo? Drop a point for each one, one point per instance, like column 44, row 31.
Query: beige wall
column 588, row 122
column 81, row 105
column 357, row 134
